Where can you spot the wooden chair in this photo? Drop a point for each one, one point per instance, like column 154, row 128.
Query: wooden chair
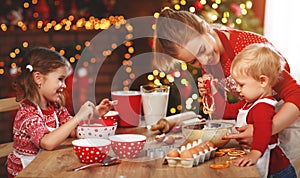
column 6, row 104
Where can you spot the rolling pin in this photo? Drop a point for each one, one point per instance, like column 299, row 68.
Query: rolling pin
column 165, row 124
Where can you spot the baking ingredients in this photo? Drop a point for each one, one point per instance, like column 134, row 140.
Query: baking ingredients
column 165, row 124
column 194, row 151
column 186, row 154
column 169, row 140
column 210, row 130
column 236, row 153
column 230, row 152
column 226, row 150
column 219, row 153
column 219, row 165
column 173, row 153
column 210, row 144
column 190, row 154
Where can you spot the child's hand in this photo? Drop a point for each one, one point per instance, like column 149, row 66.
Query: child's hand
column 104, row 106
column 248, row 160
column 85, row 112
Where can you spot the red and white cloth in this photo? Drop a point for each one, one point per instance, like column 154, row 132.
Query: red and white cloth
column 30, row 125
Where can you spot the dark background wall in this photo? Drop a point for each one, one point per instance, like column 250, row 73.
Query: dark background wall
column 11, row 39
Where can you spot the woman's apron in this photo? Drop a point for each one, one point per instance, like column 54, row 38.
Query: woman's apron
column 262, row 164
column 26, row 159
column 289, row 141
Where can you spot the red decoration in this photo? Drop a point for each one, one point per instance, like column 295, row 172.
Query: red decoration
column 198, row 6
column 236, row 9
column 43, row 9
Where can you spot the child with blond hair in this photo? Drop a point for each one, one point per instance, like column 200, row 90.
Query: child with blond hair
column 256, row 69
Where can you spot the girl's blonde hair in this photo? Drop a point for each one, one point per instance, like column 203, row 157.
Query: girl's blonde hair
column 180, row 27
column 256, row 60
column 38, row 59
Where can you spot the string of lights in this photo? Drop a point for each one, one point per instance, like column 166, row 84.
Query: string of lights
column 233, row 13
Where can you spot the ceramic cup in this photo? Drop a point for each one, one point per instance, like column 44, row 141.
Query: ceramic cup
column 110, row 117
column 128, row 106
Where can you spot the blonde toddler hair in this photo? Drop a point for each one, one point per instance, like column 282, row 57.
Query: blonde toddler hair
column 258, row 59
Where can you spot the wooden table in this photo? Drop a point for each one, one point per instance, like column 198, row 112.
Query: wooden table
column 57, row 163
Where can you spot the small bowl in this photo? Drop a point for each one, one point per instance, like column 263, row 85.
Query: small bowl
column 110, row 117
column 91, row 150
column 127, row 145
column 96, row 129
column 212, row 130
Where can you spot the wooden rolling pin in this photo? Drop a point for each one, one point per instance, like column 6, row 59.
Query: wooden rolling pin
column 165, row 124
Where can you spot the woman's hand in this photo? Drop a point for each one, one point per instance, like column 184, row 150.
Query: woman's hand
column 206, row 85
column 244, row 137
column 104, row 106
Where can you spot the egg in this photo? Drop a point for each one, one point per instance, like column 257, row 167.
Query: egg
column 182, row 148
column 194, row 151
column 205, row 147
column 173, row 153
column 188, row 145
column 186, row 154
column 210, row 144
column 200, row 141
column 202, row 144
column 169, row 140
column 199, row 149
column 194, row 143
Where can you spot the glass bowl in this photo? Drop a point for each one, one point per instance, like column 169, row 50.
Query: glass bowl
column 212, row 130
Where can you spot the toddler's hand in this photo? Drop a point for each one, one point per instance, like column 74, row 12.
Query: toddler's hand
column 85, row 112
column 248, row 160
column 104, row 106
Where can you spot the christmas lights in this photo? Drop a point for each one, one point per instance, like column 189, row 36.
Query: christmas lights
column 235, row 14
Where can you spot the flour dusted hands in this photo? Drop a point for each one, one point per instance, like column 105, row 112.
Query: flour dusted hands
column 85, row 112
